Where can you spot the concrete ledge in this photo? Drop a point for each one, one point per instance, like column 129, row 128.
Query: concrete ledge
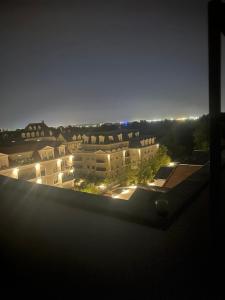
column 141, row 208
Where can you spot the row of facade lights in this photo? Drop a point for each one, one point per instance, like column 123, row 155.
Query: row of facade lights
column 37, row 167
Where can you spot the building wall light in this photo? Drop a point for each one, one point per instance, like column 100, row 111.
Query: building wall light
column 15, row 171
column 37, row 166
column 60, row 175
column 39, row 181
column 59, row 163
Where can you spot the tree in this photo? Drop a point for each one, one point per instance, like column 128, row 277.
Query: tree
column 201, row 134
column 149, row 169
column 90, row 188
column 145, row 173
column 128, row 176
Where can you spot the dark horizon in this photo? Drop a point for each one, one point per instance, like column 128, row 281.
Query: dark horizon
column 75, row 63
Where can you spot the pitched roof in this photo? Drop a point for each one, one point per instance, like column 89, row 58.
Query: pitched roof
column 28, row 146
column 41, row 124
column 180, row 173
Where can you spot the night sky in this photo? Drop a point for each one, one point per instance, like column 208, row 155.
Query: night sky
column 69, row 62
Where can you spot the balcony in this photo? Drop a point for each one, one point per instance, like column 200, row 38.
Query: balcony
column 43, row 173
column 77, row 159
column 100, row 161
column 61, row 154
column 48, row 158
column 27, row 176
column 78, row 166
column 22, row 162
column 99, row 169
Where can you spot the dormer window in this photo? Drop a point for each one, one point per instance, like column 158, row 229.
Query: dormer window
column 120, row 137
column 111, row 138
column 85, row 139
column 93, row 139
column 142, row 142
column 101, row 139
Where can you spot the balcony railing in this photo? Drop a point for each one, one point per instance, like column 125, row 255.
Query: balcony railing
column 21, row 162
column 100, row 169
column 27, row 176
column 4, row 167
column 100, row 161
column 78, row 159
column 48, row 158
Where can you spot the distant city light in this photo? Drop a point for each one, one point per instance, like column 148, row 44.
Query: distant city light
column 174, row 119
column 125, row 123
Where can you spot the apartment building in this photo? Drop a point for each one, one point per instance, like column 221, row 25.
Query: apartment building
column 48, row 163
column 50, row 156
column 38, row 132
column 107, row 154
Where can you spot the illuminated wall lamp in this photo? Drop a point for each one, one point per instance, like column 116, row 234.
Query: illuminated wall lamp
column 39, row 181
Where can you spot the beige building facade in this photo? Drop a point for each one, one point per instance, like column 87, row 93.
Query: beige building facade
column 104, row 156
column 50, row 164
column 55, row 159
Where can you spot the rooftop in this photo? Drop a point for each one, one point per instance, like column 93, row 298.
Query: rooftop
column 180, row 173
